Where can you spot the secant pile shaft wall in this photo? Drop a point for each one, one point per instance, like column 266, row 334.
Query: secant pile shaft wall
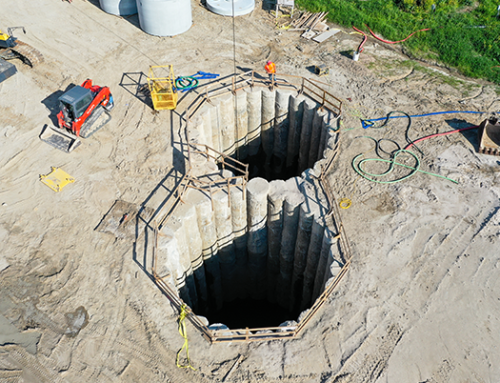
column 269, row 241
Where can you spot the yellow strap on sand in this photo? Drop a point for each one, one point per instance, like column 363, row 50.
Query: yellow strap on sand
column 56, row 179
column 345, row 203
column 183, row 332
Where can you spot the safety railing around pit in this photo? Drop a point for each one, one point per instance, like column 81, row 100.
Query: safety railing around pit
column 313, row 89
column 265, row 333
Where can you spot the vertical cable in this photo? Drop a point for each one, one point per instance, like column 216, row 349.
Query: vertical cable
column 236, row 125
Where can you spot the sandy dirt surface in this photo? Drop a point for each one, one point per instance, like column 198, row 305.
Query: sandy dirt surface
column 420, row 303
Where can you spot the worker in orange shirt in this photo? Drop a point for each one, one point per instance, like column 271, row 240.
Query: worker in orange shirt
column 271, row 70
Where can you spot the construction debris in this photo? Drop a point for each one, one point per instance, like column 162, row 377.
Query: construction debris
column 124, row 220
column 308, row 34
column 321, row 70
column 306, row 21
column 309, row 20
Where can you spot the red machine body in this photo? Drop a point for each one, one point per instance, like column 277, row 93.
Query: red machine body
column 79, row 104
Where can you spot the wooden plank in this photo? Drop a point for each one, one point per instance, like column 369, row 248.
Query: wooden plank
column 320, row 18
column 325, row 35
column 299, row 21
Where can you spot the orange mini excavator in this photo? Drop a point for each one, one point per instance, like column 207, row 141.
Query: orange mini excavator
column 83, row 110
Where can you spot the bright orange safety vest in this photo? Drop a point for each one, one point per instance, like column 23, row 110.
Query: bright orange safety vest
column 270, row 68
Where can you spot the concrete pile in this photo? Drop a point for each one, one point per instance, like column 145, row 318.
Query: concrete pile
column 264, row 240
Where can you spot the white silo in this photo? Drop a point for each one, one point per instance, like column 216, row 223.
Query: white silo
column 164, row 17
column 119, row 7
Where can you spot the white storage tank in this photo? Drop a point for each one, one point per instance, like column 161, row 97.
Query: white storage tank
column 231, row 7
column 164, row 17
column 119, row 7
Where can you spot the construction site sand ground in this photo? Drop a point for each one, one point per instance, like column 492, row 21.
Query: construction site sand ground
column 420, row 302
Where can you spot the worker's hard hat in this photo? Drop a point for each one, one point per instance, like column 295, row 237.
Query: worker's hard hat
column 269, row 62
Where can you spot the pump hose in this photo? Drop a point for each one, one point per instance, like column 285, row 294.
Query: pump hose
column 186, row 82
column 360, row 47
column 395, row 42
column 358, row 167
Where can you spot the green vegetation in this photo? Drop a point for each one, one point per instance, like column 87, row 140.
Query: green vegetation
column 463, row 34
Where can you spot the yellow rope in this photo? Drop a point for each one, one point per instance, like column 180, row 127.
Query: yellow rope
column 183, row 332
column 345, row 203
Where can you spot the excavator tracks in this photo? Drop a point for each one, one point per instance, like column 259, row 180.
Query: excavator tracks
column 96, row 121
column 29, row 55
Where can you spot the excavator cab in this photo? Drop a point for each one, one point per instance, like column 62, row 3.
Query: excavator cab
column 7, row 40
column 75, row 102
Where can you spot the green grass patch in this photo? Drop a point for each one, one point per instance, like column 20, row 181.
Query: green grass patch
column 463, row 34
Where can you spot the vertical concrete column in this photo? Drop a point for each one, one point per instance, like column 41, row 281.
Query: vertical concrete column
column 276, row 197
column 206, row 118
column 254, row 110
column 187, row 213
column 313, row 255
column 198, row 124
column 216, row 123
column 333, row 264
column 291, row 212
column 318, row 121
column 168, row 251
column 239, row 222
column 332, row 139
column 306, row 217
column 281, row 124
column 295, row 113
column 197, row 159
column 329, row 240
column 241, row 125
column 267, row 125
column 305, row 134
column 206, row 225
column 257, row 191
column 228, row 125
column 324, row 133
column 176, row 225
column 227, row 254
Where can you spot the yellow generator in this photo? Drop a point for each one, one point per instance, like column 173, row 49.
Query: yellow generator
column 161, row 84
